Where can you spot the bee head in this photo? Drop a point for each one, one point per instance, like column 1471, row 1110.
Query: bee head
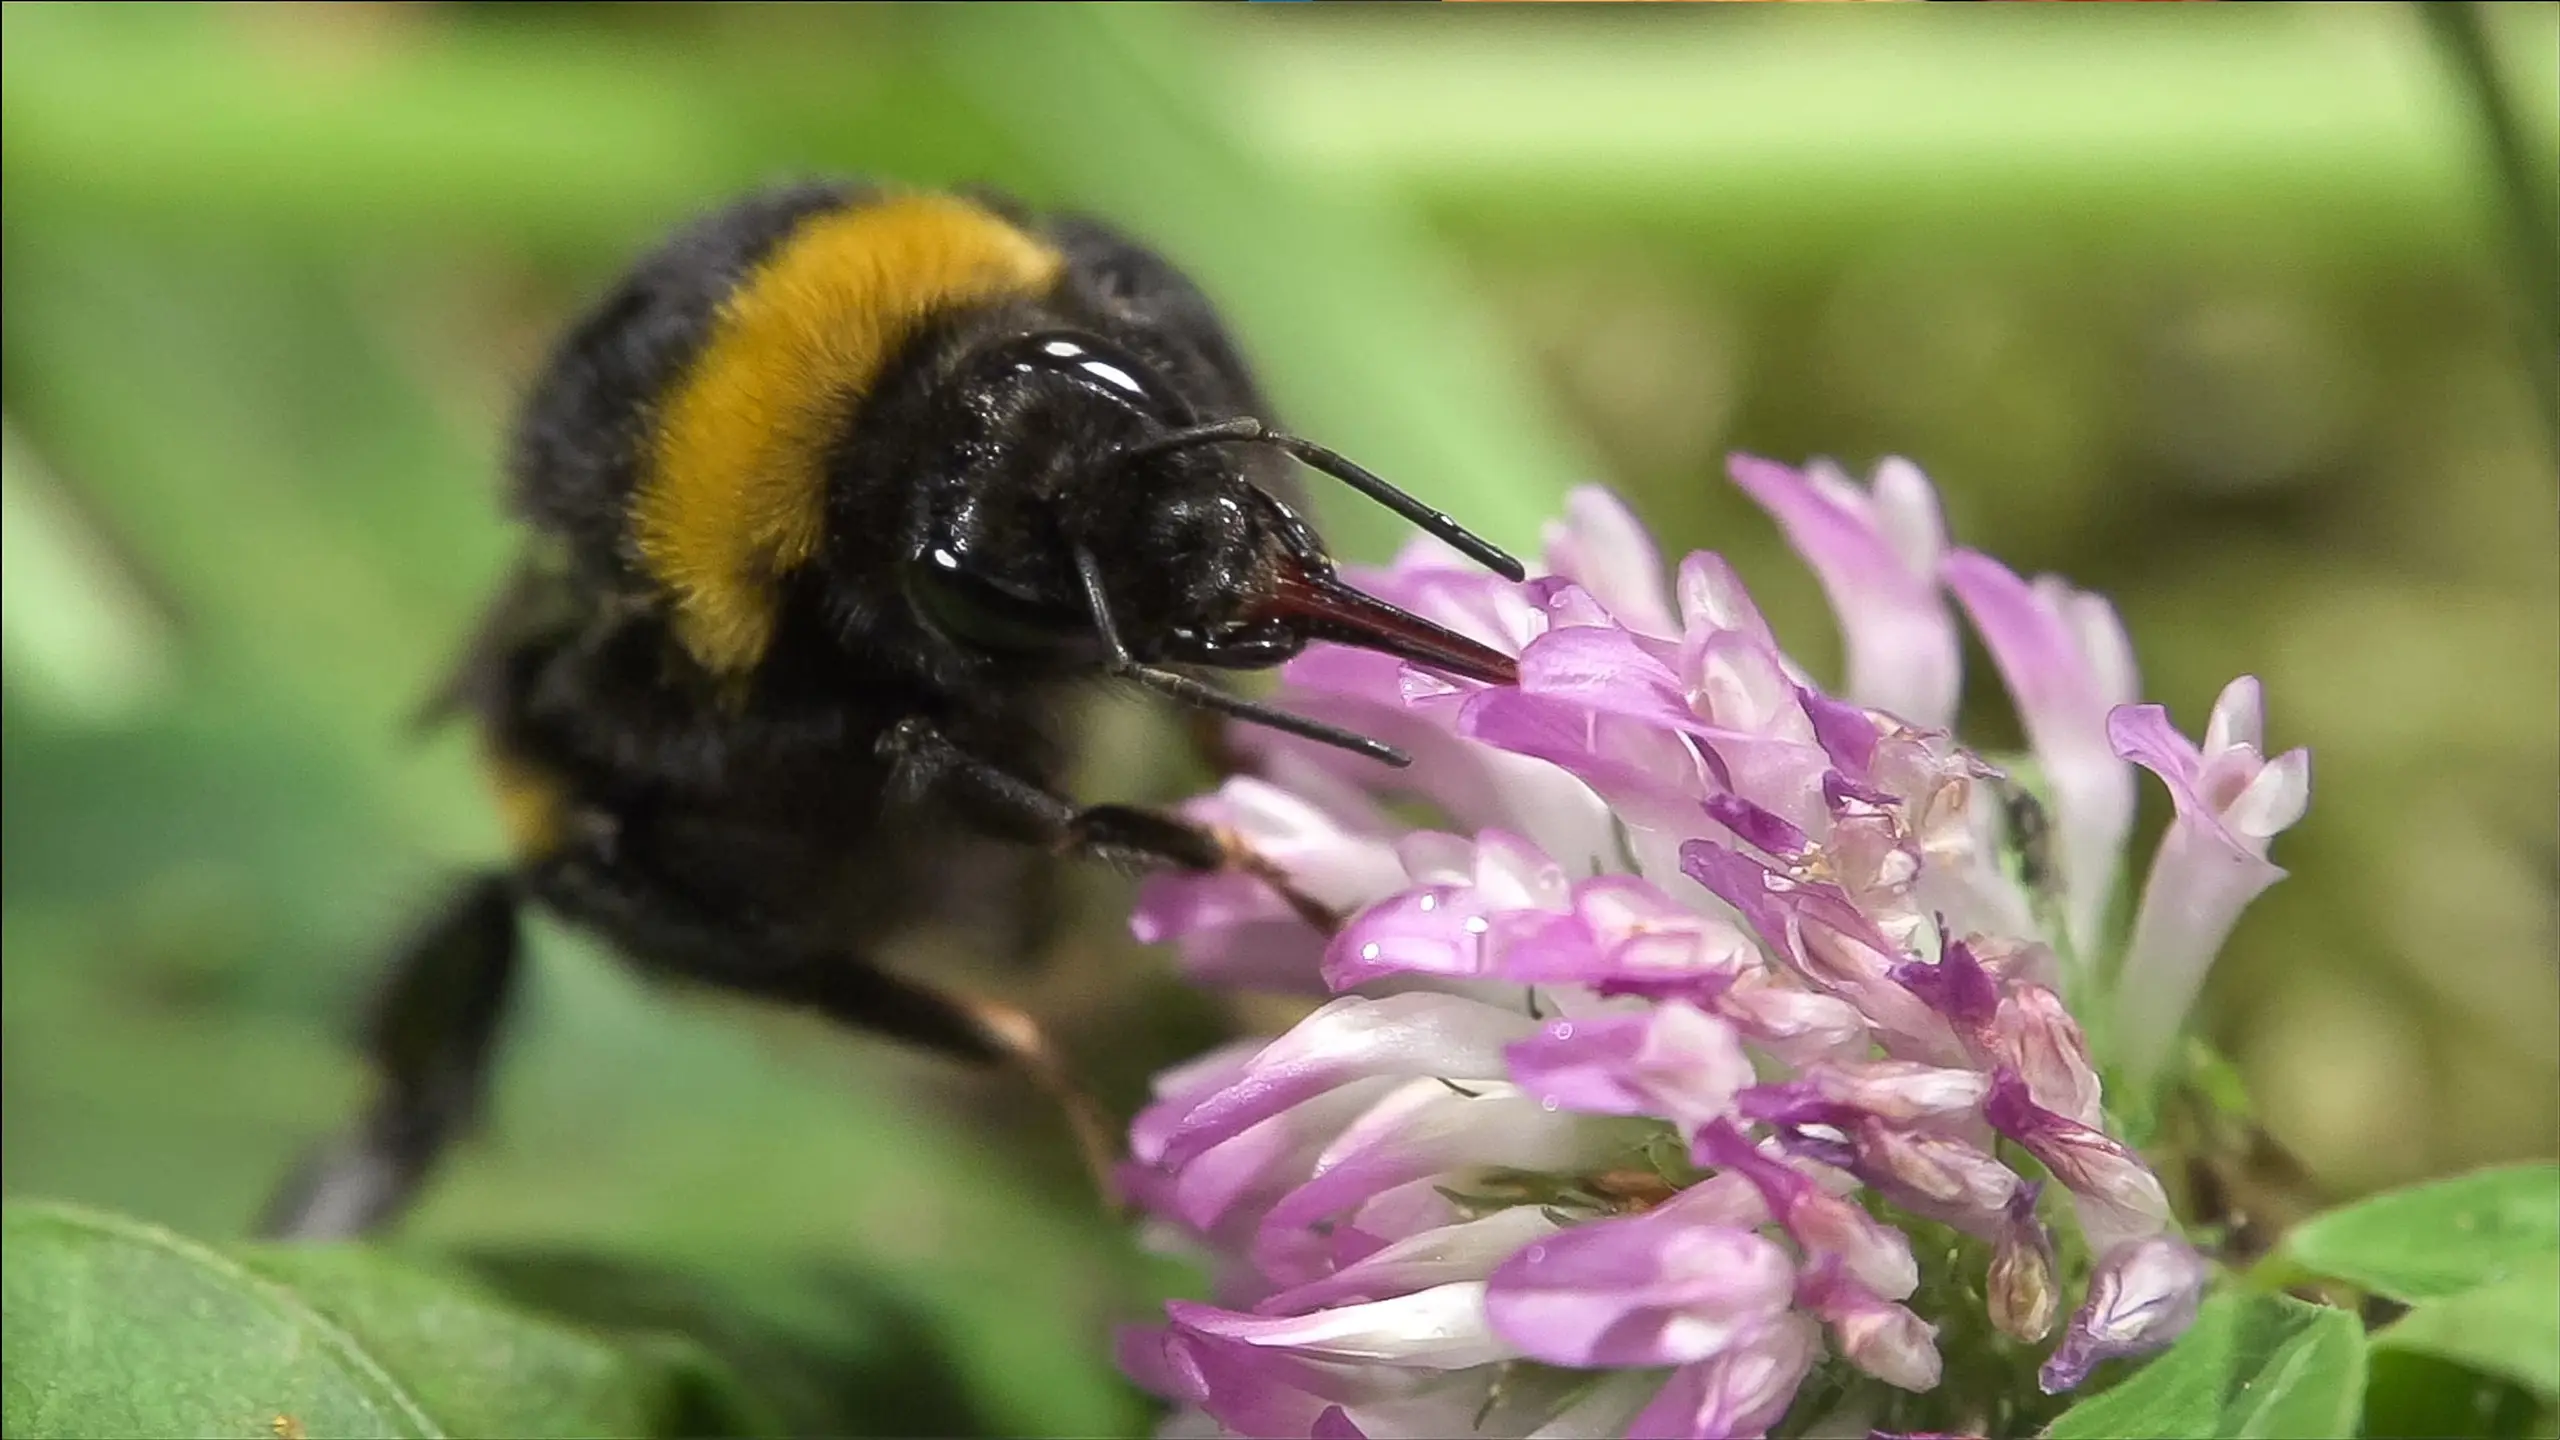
column 1121, row 532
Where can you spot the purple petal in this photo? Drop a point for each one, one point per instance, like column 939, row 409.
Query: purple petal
column 1825, row 939
column 2142, row 1297
column 1901, row 1090
column 1231, row 932
column 1886, row 1340
column 1335, row 1424
column 1602, row 547
column 1436, row 857
column 1606, row 669
column 1712, row 597
column 1442, row 1328
column 1435, row 930
column 2212, row 862
column 1422, row 1130
column 1741, row 684
column 1876, row 556
column 1231, row 928
column 1445, row 1255
column 1476, row 786
column 1644, row 779
column 1242, row 1389
column 1956, row 986
column 1260, row 1390
column 1796, row 1025
column 1875, row 1255
column 1815, row 1145
column 1674, row 1060
column 1793, row 1103
column 1740, row 1393
column 2118, row 1197
column 1332, row 847
column 1744, row 697
column 1638, row 937
column 1392, row 1217
column 1846, row 732
column 1147, row 1179
column 1354, row 1038
column 1638, row 1290
column 1846, row 797
column 1172, row 906
column 1181, row 1090
column 1741, row 707
column 1140, row 1352
column 1513, row 874
column 1225, row 1189
column 1343, row 672
column 1756, row 827
column 1479, row 899
column 2063, row 658
column 2036, row 1036
column 1770, row 901
column 1941, row 1177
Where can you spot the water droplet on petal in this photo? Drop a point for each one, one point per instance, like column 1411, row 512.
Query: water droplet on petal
column 1477, row 925
column 1562, row 1029
column 1547, row 1103
column 1369, row 951
column 1428, row 902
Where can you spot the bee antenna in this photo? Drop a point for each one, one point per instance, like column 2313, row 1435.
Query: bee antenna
column 1435, row 523
column 1177, row 686
column 1248, row 430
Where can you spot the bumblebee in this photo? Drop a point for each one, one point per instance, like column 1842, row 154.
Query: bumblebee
column 835, row 498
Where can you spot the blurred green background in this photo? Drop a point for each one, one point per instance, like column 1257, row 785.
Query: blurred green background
column 2206, row 307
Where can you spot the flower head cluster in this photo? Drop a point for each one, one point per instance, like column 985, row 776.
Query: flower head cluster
column 1636, row 1078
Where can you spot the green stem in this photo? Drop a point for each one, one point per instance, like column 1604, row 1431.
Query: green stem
column 2531, row 212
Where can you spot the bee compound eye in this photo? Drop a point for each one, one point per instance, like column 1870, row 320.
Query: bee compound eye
column 968, row 607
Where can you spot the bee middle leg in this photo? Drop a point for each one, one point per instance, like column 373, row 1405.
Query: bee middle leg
column 672, row 931
column 862, row 996
column 929, row 762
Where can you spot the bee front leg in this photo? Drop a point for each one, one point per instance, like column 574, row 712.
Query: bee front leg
column 927, row 762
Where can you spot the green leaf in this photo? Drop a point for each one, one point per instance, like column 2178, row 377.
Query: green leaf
column 2509, row 1327
column 823, row 1348
column 2310, row 1383
column 2252, row 1365
column 2437, row 1240
column 482, row 1366
column 2410, row 1394
column 114, row 1326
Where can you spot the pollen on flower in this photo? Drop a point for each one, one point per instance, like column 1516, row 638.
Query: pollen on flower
column 1642, row 1075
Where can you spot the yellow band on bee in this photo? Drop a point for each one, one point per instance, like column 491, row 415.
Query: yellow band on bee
column 533, row 805
column 733, row 497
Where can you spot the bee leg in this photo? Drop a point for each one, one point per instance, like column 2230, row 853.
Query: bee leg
column 969, row 1028
column 657, row 922
column 431, row 1037
column 926, row 760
